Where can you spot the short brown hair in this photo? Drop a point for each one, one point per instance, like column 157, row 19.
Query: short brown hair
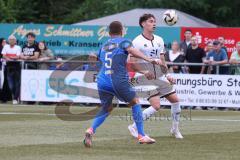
column 115, row 28
column 145, row 17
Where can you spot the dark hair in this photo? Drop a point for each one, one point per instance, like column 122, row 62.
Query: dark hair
column 1, row 40
column 145, row 17
column 30, row 34
column 188, row 30
column 115, row 28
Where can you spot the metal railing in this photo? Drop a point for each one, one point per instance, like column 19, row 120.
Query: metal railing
column 24, row 63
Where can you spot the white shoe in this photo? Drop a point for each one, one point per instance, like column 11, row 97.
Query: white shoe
column 15, row 102
column 146, row 140
column 133, row 131
column 176, row 133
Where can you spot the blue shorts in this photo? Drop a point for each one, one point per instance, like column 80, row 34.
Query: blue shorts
column 123, row 91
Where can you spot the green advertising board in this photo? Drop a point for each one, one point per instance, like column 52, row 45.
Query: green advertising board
column 70, row 40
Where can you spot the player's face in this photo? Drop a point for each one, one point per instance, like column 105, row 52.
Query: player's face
column 149, row 25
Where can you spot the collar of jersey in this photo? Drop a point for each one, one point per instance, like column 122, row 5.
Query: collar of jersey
column 147, row 38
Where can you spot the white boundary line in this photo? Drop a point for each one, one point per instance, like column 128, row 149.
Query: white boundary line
column 50, row 114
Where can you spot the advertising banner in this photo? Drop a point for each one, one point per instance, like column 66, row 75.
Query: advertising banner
column 231, row 35
column 192, row 89
column 70, row 40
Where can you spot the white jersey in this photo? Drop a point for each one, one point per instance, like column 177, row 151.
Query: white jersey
column 154, row 48
column 151, row 48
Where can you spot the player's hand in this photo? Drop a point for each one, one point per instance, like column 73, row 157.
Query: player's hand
column 171, row 79
column 155, row 61
column 149, row 75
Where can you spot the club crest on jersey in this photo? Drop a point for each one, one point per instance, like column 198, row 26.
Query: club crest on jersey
column 145, row 45
column 159, row 45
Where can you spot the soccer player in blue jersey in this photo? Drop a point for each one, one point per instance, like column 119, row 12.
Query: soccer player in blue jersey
column 113, row 81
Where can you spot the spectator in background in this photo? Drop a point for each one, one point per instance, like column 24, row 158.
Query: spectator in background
column 92, row 65
column 11, row 52
column 30, row 51
column 186, row 43
column 221, row 39
column 3, row 42
column 235, row 59
column 195, row 54
column 176, row 56
column 5, row 93
column 45, row 55
column 208, row 48
column 217, row 56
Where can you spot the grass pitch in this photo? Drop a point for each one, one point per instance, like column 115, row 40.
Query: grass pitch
column 34, row 132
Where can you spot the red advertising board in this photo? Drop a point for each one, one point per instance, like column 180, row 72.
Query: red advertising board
column 231, row 35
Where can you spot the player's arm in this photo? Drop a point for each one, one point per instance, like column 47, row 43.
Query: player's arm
column 164, row 68
column 138, row 54
column 137, row 67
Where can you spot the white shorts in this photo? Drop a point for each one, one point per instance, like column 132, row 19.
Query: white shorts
column 162, row 88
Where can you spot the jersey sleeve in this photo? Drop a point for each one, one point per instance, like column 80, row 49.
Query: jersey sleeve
column 162, row 47
column 126, row 43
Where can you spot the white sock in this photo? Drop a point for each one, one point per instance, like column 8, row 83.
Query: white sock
column 175, row 112
column 148, row 112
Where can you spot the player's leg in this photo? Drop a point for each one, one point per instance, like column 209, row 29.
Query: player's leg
column 106, row 108
column 175, row 113
column 138, row 119
column 126, row 93
column 147, row 113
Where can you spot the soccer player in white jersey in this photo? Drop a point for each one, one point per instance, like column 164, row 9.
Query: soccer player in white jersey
column 153, row 46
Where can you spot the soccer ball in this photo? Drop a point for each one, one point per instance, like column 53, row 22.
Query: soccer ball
column 170, row 17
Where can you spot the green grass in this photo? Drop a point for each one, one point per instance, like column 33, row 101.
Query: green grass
column 34, row 132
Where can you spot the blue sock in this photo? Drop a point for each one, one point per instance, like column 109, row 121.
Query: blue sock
column 99, row 118
column 137, row 116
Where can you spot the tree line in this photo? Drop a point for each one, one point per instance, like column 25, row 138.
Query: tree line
column 223, row 13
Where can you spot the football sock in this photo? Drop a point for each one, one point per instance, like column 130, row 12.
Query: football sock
column 137, row 116
column 99, row 118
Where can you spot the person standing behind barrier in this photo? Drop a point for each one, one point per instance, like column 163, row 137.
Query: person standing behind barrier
column 30, row 51
column 221, row 39
column 175, row 56
column 208, row 48
column 11, row 52
column 218, row 56
column 45, row 55
column 92, row 65
column 186, row 43
column 195, row 54
column 235, row 59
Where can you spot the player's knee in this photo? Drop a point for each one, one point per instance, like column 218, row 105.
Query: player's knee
column 156, row 106
column 134, row 101
column 176, row 108
column 110, row 108
column 173, row 98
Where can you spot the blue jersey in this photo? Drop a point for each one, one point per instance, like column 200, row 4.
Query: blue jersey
column 113, row 56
